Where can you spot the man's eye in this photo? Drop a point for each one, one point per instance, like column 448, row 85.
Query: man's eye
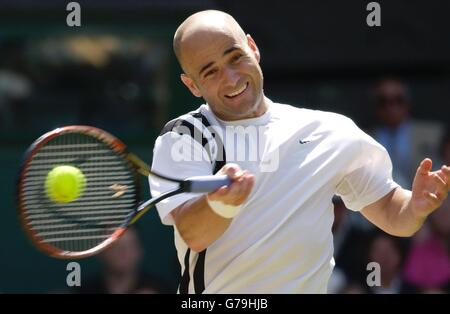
column 236, row 58
column 210, row 72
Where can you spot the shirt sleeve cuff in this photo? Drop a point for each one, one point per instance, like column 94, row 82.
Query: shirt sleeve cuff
column 371, row 198
column 166, row 206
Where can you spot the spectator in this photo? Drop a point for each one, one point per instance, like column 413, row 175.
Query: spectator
column 388, row 252
column 406, row 140
column 15, row 84
column 350, row 243
column 121, row 272
column 428, row 262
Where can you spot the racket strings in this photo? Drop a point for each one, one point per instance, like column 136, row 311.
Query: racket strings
column 104, row 206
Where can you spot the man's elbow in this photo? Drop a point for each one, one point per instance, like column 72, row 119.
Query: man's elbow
column 408, row 234
column 195, row 243
column 197, row 247
column 405, row 230
column 191, row 237
column 400, row 233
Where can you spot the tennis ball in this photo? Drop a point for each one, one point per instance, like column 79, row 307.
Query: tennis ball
column 64, row 184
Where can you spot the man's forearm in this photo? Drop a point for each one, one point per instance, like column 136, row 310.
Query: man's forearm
column 394, row 214
column 197, row 224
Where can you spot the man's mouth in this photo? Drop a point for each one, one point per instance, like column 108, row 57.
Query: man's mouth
column 238, row 92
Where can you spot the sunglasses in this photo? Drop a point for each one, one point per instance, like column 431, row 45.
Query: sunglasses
column 391, row 100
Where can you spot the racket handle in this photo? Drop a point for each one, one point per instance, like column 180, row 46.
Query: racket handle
column 204, row 184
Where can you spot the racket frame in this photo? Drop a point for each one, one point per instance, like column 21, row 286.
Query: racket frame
column 116, row 145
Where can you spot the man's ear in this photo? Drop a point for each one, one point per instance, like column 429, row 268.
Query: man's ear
column 191, row 85
column 253, row 47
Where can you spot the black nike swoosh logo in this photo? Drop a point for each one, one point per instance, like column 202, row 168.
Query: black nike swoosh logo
column 303, row 142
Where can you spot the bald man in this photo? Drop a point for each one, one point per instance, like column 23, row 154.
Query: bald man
column 270, row 230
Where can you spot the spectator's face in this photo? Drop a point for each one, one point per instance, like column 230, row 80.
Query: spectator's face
column 392, row 107
column 384, row 251
column 222, row 66
column 124, row 255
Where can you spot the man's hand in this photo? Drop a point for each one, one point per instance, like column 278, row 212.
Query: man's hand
column 429, row 189
column 198, row 224
column 240, row 188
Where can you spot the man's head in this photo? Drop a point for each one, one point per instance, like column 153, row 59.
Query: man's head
column 392, row 102
column 220, row 64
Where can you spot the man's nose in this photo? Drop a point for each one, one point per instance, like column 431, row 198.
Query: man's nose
column 230, row 77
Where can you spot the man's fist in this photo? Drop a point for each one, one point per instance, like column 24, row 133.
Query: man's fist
column 240, row 188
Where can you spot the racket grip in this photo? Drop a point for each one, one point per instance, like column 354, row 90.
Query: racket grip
column 204, row 184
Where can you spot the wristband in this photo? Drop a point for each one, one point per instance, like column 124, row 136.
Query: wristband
column 222, row 209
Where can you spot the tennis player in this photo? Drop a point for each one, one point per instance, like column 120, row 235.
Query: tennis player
column 270, row 231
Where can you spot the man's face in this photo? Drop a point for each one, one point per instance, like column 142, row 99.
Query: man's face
column 223, row 68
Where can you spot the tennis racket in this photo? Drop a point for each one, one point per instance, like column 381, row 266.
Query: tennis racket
column 109, row 202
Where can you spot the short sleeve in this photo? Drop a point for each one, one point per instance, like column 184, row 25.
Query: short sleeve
column 368, row 176
column 177, row 156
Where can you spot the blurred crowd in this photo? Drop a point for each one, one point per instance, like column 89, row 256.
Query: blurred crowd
column 124, row 84
column 108, row 81
column 420, row 264
column 122, row 271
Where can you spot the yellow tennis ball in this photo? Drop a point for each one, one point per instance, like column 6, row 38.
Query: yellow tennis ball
column 64, row 184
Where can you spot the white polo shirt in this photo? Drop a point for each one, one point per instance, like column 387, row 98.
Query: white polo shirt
column 281, row 240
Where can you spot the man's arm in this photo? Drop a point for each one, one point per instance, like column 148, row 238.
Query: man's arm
column 195, row 220
column 402, row 212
